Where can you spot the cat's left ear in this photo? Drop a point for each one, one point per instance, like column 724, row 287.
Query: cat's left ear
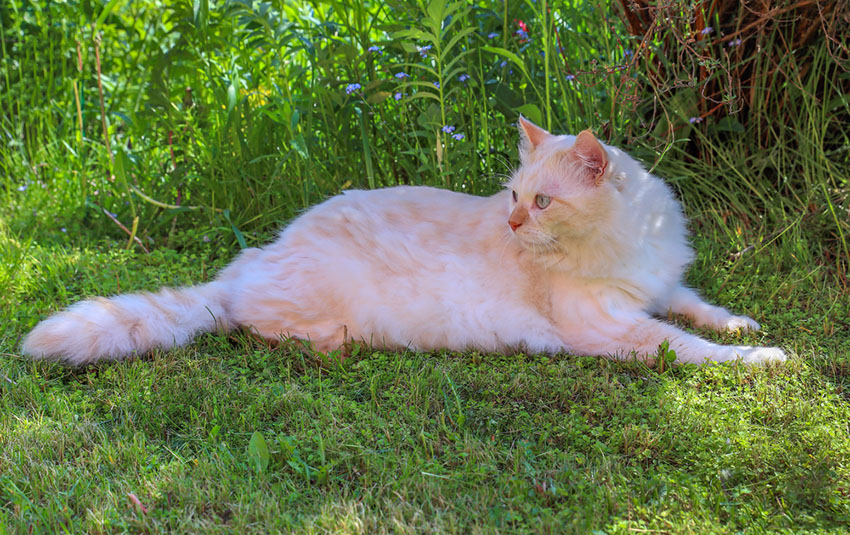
column 531, row 135
column 591, row 155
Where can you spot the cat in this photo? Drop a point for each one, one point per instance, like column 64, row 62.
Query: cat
column 577, row 254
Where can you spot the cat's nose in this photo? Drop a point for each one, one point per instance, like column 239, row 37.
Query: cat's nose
column 518, row 217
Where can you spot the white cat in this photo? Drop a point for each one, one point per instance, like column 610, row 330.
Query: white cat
column 576, row 255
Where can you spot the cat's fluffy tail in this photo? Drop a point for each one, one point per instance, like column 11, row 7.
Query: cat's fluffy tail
column 115, row 328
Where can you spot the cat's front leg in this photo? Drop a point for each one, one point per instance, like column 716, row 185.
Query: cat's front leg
column 624, row 334
column 686, row 302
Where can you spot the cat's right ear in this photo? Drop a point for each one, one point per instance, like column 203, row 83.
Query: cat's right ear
column 530, row 135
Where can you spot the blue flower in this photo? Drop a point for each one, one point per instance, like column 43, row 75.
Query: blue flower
column 734, row 42
column 423, row 50
column 693, row 120
column 628, row 53
column 458, row 136
column 22, row 187
column 437, row 85
column 522, row 34
column 707, row 30
column 492, row 35
column 351, row 88
column 448, row 129
column 570, row 77
column 502, row 64
column 377, row 49
column 402, row 75
column 398, row 95
column 463, row 77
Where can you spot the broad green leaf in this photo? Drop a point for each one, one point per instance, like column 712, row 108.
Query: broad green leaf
column 421, row 94
column 460, row 35
column 509, row 55
column 107, row 9
column 231, row 97
column 239, row 237
column 415, row 34
column 532, row 112
column 258, row 452
column 200, row 11
column 299, row 145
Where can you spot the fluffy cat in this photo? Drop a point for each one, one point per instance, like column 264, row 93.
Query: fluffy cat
column 576, row 255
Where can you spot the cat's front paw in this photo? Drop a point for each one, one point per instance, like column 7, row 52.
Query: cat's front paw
column 760, row 355
column 738, row 323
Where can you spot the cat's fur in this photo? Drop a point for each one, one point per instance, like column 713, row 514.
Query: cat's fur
column 427, row 269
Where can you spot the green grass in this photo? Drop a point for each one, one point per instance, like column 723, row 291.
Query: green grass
column 224, row 119
column 441, row 443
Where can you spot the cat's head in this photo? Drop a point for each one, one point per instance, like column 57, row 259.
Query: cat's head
column 561, row 190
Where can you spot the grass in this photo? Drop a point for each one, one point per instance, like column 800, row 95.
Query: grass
column 211, row 124
column 441, row 443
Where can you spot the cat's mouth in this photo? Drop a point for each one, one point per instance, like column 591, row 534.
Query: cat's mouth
column 536, row 240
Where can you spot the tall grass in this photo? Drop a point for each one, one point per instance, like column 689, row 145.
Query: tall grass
column 232, row 116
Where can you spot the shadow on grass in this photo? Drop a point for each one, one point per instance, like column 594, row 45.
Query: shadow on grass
column 442, row 442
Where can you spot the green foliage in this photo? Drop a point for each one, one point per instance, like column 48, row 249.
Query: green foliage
column 234, row 115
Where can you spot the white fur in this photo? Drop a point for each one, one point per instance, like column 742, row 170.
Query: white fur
column 428, row 269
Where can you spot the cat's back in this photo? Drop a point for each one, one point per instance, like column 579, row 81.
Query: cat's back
column 412, row 219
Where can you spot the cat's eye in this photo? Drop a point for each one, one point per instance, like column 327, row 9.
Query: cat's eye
column 542, row 201
column 515, row 197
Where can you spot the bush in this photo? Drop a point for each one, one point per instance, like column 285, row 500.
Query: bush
column 234, row 115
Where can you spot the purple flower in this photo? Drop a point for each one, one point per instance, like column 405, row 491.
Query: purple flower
column 734, row 42
column 570, row 77
column 522, row 34
column 63, row 229
column 458, row 136
column 502, row 64
column 448, row 129
column 492, row 35
column 628, row 53
column 377, row 49
column 351, row 88
column 437, row 85
column 707, row 30
column 463, row 77
column 423, row 50
column 402, row 75
column 693, row 120
column 398, row 96
column 22, row 187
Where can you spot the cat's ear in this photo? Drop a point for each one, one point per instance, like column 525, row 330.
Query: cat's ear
column 589, row 153
column 530, row 135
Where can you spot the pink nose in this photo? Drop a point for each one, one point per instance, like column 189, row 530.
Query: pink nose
column 514, row 225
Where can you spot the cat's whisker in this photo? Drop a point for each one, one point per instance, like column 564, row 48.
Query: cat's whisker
column 501, row 178
column 500, row 159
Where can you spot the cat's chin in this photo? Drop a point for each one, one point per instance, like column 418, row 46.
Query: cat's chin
column 539, row 246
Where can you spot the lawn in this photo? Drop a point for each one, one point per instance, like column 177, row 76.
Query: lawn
column 442, row 443
column 144, row 143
